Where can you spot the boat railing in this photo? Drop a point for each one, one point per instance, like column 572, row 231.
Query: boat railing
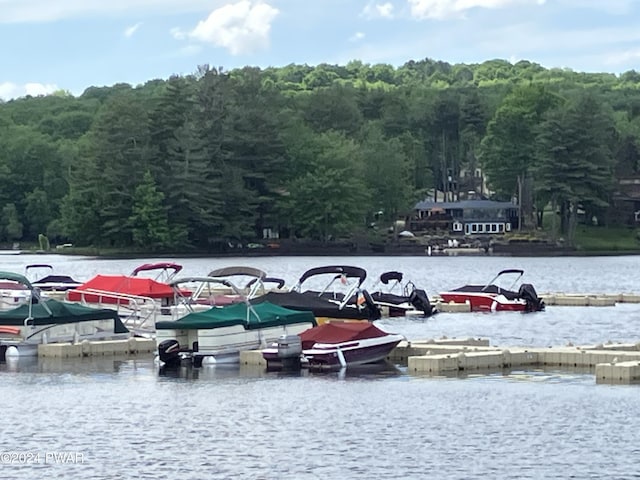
column 137, row 312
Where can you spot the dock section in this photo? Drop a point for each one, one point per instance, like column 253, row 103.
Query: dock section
column 86, row 348
column 611, row 363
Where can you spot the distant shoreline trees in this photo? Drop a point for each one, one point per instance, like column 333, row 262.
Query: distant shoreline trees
column 198, row 161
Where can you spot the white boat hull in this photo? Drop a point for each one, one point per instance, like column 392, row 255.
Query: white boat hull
column 224, row 344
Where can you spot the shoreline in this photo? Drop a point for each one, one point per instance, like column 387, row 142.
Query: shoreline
column 342, row 252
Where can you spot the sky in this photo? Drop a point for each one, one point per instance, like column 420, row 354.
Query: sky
column 48, row 45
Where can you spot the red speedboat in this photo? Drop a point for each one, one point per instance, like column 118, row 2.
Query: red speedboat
column 494, row 298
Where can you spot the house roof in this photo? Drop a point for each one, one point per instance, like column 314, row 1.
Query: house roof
column 464, row 205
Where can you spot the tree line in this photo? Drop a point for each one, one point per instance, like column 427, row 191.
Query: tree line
column 217, row 157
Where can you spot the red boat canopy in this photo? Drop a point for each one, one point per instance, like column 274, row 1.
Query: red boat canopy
column 122, row 284
column 338, row 332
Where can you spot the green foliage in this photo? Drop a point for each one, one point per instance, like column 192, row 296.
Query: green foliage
column 326, row 203
column 575, row 161
column 149, row 220
column 199, row 160
column 609, row 239
column 10, row 223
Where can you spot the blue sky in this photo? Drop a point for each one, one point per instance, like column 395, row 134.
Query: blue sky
column 75, row 44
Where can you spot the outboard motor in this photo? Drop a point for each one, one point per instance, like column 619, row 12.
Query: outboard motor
column 373, row 310
column 290, row 352
column 169, row 353
column 528, row 293
column 420, row 300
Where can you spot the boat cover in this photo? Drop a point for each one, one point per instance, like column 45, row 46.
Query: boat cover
column 52, row 311
column 339, row 332
column 310, row 301
column 489, row 289
column 266, row 315
column 140, row 286
column 61, row 282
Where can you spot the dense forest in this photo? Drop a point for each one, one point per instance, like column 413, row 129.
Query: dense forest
column 310, row 152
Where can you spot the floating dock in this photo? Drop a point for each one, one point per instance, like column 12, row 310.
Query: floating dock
column 611, row 363
column 86, row 348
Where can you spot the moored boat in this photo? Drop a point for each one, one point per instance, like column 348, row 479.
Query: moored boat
column 493, row 298
column 333, row 346
column 218, row 334
column 46, row 320
column 50, row 282
column 399, row 298
column 341, row 298
column 140, row 301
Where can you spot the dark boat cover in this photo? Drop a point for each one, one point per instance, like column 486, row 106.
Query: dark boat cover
column 266, row 315
column 321, row 307
column 391, row 298
column 61, row 282
column 338, row 332
column 59, row 313
column 510, row 294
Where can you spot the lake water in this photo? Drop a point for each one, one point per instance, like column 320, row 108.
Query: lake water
column 106, row 418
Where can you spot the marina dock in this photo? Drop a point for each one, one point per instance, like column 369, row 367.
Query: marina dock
column 613, row 363
column 86, row 348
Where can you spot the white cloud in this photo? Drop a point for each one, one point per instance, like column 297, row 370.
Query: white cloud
column 132, row 29
column 376, row 10
column 178, row 33
column 9, row 90
column 623, row 57
column 356, row 37
column 241, row 27
column 441, row 9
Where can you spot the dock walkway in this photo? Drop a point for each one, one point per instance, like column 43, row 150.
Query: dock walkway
column 612, row 363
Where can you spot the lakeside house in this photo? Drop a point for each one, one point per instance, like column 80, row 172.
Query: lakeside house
column 465, row 217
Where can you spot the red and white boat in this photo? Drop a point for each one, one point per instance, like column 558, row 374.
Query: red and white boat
column 494, row 298
column 333, row 346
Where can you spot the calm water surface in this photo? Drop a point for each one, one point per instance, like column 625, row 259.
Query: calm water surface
column 125, row 420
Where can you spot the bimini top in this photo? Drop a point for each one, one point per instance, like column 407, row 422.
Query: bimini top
column 52, row 311
column 157, row 266
column 263, row 315
column 346, row 270
column 238, row 271
column 16, row 277
column 120, row 284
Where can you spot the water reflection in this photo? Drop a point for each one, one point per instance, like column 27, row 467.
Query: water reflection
column 376, row 371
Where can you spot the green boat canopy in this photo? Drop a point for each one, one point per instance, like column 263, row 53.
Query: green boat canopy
column 51, row 311
column 264, row 315
column 16, row 277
